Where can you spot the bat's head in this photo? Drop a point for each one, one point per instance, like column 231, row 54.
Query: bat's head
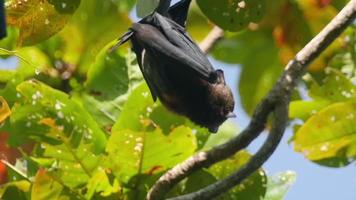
column 221, row 102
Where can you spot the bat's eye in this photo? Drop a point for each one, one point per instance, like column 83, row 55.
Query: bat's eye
column 212, row 77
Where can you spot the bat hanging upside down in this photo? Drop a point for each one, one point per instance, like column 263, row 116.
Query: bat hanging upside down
column 177, row 71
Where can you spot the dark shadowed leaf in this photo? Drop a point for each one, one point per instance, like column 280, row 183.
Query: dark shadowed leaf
column 232, row 15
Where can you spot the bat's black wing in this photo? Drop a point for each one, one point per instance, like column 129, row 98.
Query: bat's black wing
column 2, row 20
column 168, row 40
column 179, row 12
column 179, row 46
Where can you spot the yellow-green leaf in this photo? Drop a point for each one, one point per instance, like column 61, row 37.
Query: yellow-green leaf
column 330, row 133
column 44, row 187
column 5, row 111
column 37, row 20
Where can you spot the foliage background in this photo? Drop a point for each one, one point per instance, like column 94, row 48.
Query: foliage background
column 108, row 128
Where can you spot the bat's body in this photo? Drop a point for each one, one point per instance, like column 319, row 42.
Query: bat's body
column 178, row 72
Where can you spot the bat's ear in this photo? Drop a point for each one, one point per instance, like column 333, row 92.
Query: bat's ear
column 220, row 76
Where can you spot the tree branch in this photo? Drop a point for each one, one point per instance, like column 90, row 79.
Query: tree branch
column 219, row 187
column 211, row 39
column 276, row 102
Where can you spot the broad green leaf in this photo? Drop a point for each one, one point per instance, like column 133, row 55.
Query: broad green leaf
column 232, row 15
column 243, row 47
column 198, row 180
column 146, row 7
column 44, row 187
column 104, row 104
column 65, row 6
column 301, row 109
column 336, row 87
column 44, row 111
column 109, row 21
column 37, row 20
column 254, row 187
column 226, row 132
column 138, row 105
column 279, row 184
column 100, row 184
column 198, row 26
column 108, row 75
column 140, row 109
column 148, row 152
column 125, row 5
column 5, row 111
column 329, row 133
column 15, row 189
column 293, row 31
column 9, row 42
column 72, row 166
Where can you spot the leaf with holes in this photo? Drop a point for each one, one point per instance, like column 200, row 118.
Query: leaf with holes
column 232, row 15
column 148, row 152
column 42, row 111
column 336, row 87
column 37, row 20
column 140, row 109
column 329, row 134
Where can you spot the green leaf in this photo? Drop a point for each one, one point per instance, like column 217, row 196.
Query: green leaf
column 279, row 184
column 5, row 111
column 37, row 20
column 100, row 184
column 125, row 5
column 132, row 152
column 336, row 87
column 45, row 112
column 139, row 104
column 227, row 131
column 232, row 15
column 140, row 109
column 15, row 189
column 198, row 25
column 146, row 7
column 108, row 76
column 108, row 26
column 329, row 134
column 44, row 187
column 302, row 109
column 72, row 166
column 65, row 6
column 252, row 188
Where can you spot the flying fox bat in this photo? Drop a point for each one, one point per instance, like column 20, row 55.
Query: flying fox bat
column 177, row 71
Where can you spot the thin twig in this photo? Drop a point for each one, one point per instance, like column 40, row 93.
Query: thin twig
column 272, row 103
column 211, row 39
